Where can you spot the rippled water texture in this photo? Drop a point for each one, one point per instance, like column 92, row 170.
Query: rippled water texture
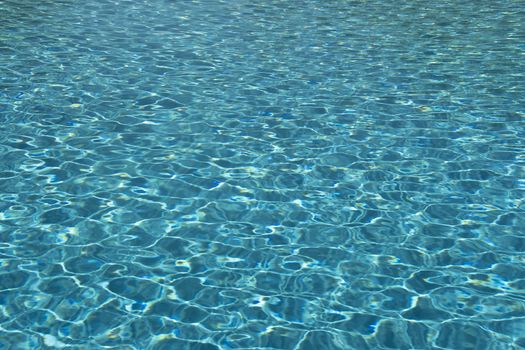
column 308, row 175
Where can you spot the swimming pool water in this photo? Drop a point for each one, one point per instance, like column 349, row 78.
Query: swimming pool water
column 300, row 175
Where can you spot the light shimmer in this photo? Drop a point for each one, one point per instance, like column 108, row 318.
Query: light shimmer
column 296, row 175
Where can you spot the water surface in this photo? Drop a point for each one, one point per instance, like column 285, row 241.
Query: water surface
column 275, row 175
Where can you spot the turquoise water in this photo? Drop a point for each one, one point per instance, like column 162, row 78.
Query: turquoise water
column 302, row 175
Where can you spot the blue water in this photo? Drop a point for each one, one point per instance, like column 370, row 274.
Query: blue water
column 299, row 175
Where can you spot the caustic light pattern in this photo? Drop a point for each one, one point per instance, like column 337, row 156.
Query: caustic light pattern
column 307, row 175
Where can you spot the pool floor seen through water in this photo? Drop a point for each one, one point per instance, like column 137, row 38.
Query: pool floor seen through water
column 279, row 175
